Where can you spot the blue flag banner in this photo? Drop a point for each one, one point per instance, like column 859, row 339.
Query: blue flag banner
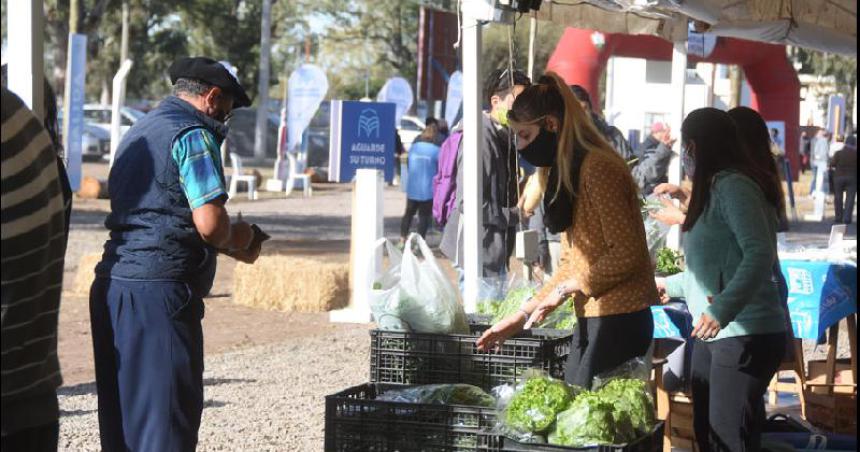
column 362, row 136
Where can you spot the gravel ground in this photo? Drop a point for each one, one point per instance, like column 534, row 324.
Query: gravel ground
column 267, row 398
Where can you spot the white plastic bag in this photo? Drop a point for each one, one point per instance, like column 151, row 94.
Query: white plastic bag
column 415, row 295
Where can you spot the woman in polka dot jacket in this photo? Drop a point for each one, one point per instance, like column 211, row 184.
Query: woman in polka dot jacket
column 591, row 199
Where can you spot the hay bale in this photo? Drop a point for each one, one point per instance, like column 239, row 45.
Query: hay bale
column 85, row 274
column 92, row 188
column 291, row 283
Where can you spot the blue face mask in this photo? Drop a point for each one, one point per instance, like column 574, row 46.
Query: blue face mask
column 688, row 162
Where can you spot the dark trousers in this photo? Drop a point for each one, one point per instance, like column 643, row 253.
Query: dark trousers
column 148, row 349
column 730, row 377
column 34, row 439
column 497, row 248
column 601, row 344
column 425, row 214
column 844, row 187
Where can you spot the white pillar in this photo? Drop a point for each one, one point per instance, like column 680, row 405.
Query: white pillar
column 473, row 193
column 679, row 82
column 533, row 25
column 367, row 228
column 118, row 99
column 25, row 53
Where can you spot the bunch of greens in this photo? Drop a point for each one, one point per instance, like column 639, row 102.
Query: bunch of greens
column 649, row 204
column 588, row 422
column 442, row 394
column 631, row 401
column 562, row 318
column 669, row 261
column 536, row 403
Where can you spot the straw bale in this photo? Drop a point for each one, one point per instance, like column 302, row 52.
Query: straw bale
column 85, row 274
column 291, row 283
column 92, row 188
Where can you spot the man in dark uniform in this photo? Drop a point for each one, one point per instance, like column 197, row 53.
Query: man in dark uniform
column 167, row 225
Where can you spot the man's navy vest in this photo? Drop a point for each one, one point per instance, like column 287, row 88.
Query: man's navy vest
column 152, row 234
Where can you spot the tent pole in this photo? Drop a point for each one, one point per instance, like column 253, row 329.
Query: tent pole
column 26, row 53
column 472, row 162
column 533, row 25
column 679, row 82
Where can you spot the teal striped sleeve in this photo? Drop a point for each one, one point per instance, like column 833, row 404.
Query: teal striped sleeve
column 201, row 173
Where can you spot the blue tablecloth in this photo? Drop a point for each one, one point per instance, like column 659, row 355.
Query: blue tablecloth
column 820, row 294
column 672, row 321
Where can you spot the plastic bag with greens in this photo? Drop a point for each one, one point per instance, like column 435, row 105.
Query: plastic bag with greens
column 627, row 390
column 500, row 299
column 528, row 410
column 632, row 402
column 588, row 422
column 441, row 394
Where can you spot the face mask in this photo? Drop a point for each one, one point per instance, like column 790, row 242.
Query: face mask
column 689, row 163
column 542, row 150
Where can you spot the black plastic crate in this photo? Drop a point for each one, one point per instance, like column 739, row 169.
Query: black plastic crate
column 494, row 443
column 355, row 421
column 419, row 358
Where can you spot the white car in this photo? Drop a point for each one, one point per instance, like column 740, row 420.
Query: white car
column 100, row 116
column 409, row 129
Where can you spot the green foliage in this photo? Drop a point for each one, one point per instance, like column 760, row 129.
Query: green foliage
column 669, row 261
column 588, row 422
column 631, row 401
column 534, row 406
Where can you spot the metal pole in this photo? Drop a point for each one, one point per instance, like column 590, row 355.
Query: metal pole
column 123, row 49
column 473, row 194
column 26, row 53
column 533, row 25
column 679, row 85
column 118, row 94
column 263, row 86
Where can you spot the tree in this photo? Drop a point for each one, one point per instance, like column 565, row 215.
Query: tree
column 496, row 53
column 843, row 69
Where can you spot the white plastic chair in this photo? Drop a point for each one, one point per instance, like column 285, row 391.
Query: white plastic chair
column 294, row 176
column 240, row 176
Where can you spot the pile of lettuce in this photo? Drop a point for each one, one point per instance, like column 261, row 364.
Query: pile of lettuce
column 619, row 412
column 562, row 318
column 536, row 403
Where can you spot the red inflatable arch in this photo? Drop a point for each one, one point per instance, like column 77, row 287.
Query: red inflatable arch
column 772, row 79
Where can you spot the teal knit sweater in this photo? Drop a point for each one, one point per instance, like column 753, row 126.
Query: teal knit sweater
column 730, row 253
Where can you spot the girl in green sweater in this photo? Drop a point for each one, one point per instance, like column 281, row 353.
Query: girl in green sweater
column 730, row 249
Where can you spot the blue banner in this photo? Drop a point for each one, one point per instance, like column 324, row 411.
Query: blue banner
column 397, row 91
column 75, row 87
column 307, row 87
column 362, row 137
column 820, row 294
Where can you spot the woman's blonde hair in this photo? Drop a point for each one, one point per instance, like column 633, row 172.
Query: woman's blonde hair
column 577, row 134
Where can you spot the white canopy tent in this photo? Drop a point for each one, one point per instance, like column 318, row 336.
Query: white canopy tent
column 826, row 25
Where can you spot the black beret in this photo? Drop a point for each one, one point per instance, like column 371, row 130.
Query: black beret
column 211, row 72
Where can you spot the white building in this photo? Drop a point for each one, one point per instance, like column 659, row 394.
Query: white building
column 638, row 91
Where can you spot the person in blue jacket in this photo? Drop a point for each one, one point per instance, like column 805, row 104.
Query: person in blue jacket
column 421, row 166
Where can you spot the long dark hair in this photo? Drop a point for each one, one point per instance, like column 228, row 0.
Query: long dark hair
column 718, row 147
column 754, row 133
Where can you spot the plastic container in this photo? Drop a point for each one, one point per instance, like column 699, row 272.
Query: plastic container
column 355, row 421
column 418, row 358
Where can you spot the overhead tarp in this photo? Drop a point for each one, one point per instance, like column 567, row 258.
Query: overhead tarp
column 826, row 25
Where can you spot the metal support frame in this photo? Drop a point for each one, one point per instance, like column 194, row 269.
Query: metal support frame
column 25, row 53
column 679, row 86
column 118, row 99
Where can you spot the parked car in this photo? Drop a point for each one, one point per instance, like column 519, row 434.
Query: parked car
column 95, row 141
column 100, row 116
column 409, row 129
